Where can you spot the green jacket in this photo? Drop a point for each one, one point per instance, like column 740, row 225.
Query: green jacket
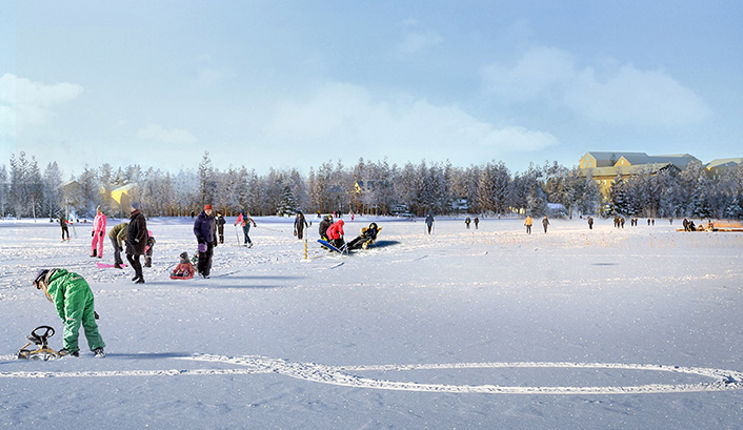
column 69, row 291
column 118, row 233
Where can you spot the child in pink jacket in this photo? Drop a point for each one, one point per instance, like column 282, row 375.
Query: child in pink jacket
column 99, row 230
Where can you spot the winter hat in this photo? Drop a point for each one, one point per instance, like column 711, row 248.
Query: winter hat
column 184, row 255
column 207, row 207
column 340, row 222
column 40, row 275
column 135, row 205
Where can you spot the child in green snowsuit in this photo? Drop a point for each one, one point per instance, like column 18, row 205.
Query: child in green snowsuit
column 73, row 298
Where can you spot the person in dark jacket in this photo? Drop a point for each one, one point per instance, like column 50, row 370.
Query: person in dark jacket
column 467, row 222
column 136, row 241
column 477, row 222
column 220, row 226
column 590, row 223
column 63, row 223
column 429, row 222
column 324, row 224
column 204, row 228
column 299, row 224
column 545, row 223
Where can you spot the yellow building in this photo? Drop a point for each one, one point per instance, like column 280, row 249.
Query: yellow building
column 604, row 167
column 119, row 199
column 721, row 164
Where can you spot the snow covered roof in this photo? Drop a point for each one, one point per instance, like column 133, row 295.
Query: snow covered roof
column 606, row 159
column 627, row 170
column 724, row 162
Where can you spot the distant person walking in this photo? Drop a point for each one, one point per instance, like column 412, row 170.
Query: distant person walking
column 545, row 223
column 136, row 242
column 477, row 222
column 245, row 220
column 99, row 229
column 63, row 223
column 467, row 222
column 429, row 222
column 299, row 224
column 590, row 223
column 220, row 226
column 528, row 223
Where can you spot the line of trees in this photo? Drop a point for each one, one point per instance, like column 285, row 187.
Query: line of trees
column 367, row 187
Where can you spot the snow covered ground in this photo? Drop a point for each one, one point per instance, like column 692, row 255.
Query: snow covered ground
column 633, row 328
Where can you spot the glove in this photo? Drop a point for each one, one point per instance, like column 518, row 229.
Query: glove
column 92, row 233
column 96, row 315
column 101, row 233
column 202, row 247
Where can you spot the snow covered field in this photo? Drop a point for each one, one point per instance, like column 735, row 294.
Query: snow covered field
column 462, row 329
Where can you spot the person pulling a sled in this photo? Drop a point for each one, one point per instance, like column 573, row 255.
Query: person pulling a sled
column 335, row 234
column 75, row 304
column 99, row 229
column 184, row 270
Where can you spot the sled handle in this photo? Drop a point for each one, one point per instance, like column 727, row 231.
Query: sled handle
column 48, row 332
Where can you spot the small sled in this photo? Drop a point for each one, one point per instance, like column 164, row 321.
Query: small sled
column 108, row 266
column 39, row 338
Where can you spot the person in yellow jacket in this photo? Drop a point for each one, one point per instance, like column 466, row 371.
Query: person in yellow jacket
column 528, row 223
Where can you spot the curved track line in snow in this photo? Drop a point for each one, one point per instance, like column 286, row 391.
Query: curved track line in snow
column 722, row 380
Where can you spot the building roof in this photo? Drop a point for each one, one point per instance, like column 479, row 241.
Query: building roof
column 724, row 162
column 678, row 160
column 606, row 159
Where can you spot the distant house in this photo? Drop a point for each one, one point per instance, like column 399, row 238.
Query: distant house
column 70, row 192
column 722, row 164
column 604, row 167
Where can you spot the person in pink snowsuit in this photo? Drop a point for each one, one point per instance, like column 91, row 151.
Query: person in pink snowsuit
column 99, row 231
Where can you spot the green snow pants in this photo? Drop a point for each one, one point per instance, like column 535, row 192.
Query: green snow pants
column 86, row 316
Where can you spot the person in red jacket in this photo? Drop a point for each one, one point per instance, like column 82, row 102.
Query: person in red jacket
column 335, row 234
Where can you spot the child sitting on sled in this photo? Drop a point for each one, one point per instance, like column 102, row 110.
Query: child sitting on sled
column 184, row 270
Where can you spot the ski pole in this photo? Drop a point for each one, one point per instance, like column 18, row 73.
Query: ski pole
column 237, row 236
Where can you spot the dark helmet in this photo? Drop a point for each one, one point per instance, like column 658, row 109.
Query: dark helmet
column 40, row 277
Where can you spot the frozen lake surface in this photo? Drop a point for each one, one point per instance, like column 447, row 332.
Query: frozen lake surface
column 488, row 328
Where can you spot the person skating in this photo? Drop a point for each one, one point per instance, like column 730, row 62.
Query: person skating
column 335, row 234
column 477, row 222
column 148, row 249
column 99, row 229
column 184, row 270
column 220, row 226
column 245, row 220
column 528, row 223
column 118, row 237
column 75, row 304
column 467, row 222
column 136, row 242
column 326, row 222
column 545, row 223
column 65, row 230
column 590, row 223
column 429, row 222
column 204, row 228
column 299, row 224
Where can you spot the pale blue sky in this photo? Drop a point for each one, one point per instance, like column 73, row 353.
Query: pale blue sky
column 292, row 84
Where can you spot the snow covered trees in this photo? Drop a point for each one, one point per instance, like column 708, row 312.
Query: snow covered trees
column 370, row 187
